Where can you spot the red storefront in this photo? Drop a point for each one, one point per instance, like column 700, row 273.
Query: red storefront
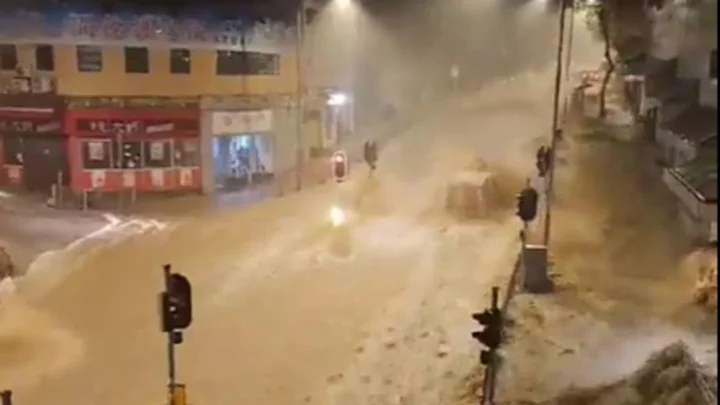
column 141, row 149
column 33, row 146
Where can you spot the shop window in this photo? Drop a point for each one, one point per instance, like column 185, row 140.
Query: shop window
column 180, row 61
column 137, row 60
column 89, row 58
column 187, row 153
column 44, row 58
column 97, row 154
column 127, row 154
column 157, row 154
column 8, row 57
column 231, row 63
column 12, row 150
column 266, row 64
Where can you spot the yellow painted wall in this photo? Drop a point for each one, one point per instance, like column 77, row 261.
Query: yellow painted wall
column 113, row 81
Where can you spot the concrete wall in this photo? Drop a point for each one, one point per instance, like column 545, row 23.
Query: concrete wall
column 667, row 31
column 158, row 33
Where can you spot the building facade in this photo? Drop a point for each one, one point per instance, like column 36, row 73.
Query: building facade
column 685, row 40
column 150, row 102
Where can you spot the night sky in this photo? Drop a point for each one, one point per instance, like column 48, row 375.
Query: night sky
column 255, row 9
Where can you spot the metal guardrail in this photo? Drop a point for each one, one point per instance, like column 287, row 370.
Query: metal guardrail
column 491, row 370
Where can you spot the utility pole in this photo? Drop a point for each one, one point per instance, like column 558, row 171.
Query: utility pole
column 556, row 131
column 299, row 102
column 571, row 30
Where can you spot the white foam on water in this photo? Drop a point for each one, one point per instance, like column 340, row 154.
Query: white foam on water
column 51, row 267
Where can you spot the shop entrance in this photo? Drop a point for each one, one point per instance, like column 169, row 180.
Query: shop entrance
column 45, row 159
column 242, row 161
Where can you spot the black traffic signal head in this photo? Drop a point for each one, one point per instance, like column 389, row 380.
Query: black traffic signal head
column 490, row 336
column 485, row 357
column 527, row 204
column 176, row 303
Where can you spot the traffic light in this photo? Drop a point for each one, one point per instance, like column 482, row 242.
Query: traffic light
column 527, row 204
column 176, row 303
column 339, row 166
column 491, row 335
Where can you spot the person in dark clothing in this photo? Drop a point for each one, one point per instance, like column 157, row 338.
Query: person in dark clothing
column 370, row 154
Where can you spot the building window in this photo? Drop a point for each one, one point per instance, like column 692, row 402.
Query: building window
column 180, row 61
column 263, row 63
column 8, row 57
column 137, row 60
column 157, row 154
column 127, row 154
column 89, row 58
column 44, row 58
column 713, row 64
column 187, row 153
column 97, row 154
column 13, row 150
column 232, row 63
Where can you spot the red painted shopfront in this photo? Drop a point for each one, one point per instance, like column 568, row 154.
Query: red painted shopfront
column 33, row 148
column 146, row 150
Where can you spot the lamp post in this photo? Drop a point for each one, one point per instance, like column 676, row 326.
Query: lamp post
column 549, row 192
column 300, row 93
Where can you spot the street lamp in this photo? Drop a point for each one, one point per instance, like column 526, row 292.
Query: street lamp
column 343, row 3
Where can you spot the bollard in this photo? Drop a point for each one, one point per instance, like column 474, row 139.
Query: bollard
column 59, row 196
column 53, row 200
column 6, row 397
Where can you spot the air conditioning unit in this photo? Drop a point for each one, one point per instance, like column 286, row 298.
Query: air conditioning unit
column 43, row 84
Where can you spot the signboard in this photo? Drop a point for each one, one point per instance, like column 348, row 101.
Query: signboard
column 238, row 122
column 134, row 127
column 28, row 126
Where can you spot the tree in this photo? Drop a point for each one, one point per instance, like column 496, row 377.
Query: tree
column 618, row 23
column 604, row 22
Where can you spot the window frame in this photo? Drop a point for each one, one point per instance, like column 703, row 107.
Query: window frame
column 16, row 141
column 12, row 55
column 180, row 159
column 108, row 149
column 123, row 163
column 244, row 63
column 42, row 67
column 168, row 151
column 81, row 50
column 178, row 67
column 130, row 61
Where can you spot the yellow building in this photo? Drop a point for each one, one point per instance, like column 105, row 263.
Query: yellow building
column 98, row 69
column 243, row 78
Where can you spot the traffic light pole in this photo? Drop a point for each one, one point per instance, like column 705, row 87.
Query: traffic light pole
column 170, row 344
column 493, row 354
